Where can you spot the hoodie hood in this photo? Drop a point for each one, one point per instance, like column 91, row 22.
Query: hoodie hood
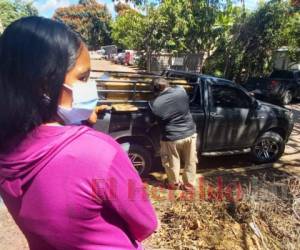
column 21, row 165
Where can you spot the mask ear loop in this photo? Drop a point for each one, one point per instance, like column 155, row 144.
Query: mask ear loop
column 68, row 87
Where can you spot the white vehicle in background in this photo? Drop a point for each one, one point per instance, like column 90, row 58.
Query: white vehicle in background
column 121, row 58
column 109, row 51
column 114, row 58
column 101, row 53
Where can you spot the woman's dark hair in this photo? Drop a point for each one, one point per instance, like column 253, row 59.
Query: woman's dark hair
column 35, row 55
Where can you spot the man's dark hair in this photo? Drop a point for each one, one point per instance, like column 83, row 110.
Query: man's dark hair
column 159, row 84
column 35, row 55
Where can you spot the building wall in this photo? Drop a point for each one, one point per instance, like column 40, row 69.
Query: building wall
column 282, row 60
column 187, row 62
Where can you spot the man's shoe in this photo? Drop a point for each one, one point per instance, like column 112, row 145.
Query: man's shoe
column 173, row 186
column 188, row 187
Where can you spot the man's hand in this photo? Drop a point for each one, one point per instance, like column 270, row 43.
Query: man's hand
column 93, row 118
column 100, row 108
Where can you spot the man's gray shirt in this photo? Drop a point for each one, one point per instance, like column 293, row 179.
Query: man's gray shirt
column 172, row 109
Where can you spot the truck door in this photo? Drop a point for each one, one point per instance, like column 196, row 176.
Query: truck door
column 231, row 124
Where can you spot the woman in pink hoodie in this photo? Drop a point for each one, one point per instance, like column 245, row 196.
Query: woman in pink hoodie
column 66, row 185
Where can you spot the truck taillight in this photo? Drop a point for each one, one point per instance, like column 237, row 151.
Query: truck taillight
column 274, row 83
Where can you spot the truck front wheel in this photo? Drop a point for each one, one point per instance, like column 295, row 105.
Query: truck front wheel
column 140, row 158
column 268, row 148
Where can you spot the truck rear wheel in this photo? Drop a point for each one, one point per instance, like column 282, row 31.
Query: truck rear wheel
column 268, row 148
column 140, row 158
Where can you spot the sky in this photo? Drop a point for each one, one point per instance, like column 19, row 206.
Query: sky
column 46, row 8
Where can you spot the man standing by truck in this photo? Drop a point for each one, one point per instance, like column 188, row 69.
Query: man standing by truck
column 178, row 133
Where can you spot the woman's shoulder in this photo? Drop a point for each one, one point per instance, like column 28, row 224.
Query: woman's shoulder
column 104, row 139
column 88, row 146
column 97, row 143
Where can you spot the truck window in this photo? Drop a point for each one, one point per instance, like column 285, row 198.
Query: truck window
column 228, row 97
column 195, row 98
column 189, row 78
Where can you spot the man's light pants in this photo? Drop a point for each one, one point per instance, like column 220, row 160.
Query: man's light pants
column 175, row 152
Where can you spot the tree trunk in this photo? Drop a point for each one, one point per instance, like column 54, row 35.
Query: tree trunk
column 202, row 56
column 227, row 63
column 199, row 64
column 148, row 56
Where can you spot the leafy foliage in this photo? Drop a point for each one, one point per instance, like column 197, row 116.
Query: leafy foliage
column 130, row 37
column 231, row 38
column 253, row 39
column 88, row 18
column 134, row 30
column 292, row 36
column 13, row 10
column 175, row 25
column 121, row 8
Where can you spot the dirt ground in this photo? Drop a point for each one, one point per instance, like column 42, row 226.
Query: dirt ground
column 260, row 211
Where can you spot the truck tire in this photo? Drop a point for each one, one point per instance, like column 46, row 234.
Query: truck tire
column 287, row 97
column 268, row 148
column 140, row 158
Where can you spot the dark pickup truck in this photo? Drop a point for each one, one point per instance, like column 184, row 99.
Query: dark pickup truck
column 281, row 86
column 229, row 121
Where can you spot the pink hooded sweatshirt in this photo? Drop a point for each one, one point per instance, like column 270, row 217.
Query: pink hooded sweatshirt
column 70, row 187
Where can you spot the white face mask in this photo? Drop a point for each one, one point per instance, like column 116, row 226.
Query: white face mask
column 85, row 98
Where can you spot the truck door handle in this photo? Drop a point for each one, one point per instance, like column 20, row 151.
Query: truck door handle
column 216, row 116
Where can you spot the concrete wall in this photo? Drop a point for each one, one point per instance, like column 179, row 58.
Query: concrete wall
column 188, row 62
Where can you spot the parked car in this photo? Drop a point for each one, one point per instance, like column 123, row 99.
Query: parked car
column 136, row 59
column 281, row 86
column 229, row 121
column 120, row 58
column 101, row 53
column 129, row 57
column 113, row 58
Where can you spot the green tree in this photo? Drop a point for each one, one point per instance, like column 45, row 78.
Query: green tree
column 228, row 22
column 90, row 19
column 134, row 30
column 121, row 7
column 192, row 26
column 127, row 28
column 13, row 10
column 291, row 36
column 253, row 39
column 229, row 39
column 258, row 36
column 174, row 25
